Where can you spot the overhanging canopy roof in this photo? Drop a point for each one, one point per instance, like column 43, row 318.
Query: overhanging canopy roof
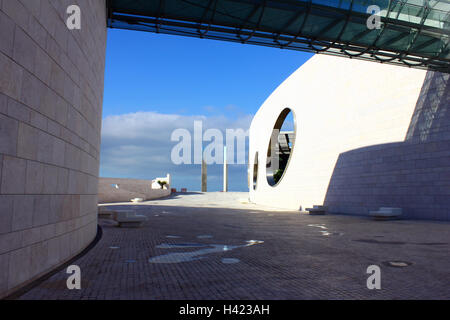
column 414, row 33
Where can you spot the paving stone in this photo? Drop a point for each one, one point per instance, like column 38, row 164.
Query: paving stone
column 13, row 175
column 297, row 260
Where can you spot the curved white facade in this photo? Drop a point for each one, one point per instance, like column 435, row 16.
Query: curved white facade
column 339, row 105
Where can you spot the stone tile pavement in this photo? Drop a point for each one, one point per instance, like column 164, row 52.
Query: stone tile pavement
column 201, row 244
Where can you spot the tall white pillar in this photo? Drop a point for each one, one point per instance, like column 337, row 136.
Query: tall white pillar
column 204, row 177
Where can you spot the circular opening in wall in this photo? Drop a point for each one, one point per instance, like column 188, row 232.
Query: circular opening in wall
column 280, row 147
column 255, row 171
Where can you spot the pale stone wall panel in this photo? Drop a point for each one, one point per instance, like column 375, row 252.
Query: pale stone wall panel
column 51, row 91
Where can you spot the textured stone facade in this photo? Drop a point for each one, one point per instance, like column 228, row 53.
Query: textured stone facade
column 51, row 91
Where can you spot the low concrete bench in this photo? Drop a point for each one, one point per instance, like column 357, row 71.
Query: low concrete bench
column 105, row 213
column 317, row 210
column 386, row 213
column 129, row 218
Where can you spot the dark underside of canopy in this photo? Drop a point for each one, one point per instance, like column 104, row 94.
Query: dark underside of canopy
column 412, row 33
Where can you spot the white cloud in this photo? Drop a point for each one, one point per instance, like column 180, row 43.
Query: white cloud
column 137, row 145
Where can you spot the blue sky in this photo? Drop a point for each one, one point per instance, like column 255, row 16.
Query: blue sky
column 157, row 83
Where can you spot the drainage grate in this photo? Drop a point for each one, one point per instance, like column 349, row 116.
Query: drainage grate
column 230, row 260
column 379, row 241
column 205, row 236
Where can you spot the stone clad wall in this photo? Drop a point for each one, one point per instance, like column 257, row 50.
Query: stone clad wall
column 51, row 91
column 413, row 175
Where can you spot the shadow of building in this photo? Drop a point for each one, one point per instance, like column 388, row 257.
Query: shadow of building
column 413, row 174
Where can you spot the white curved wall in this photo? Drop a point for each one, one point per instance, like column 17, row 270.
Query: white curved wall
column 339, row 105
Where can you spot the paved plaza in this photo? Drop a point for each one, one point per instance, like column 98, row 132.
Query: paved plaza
column 218, row 246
